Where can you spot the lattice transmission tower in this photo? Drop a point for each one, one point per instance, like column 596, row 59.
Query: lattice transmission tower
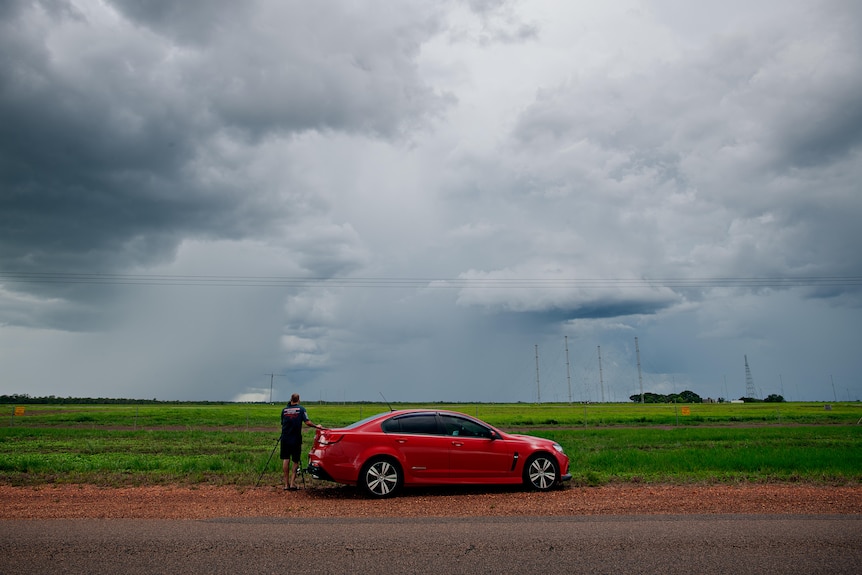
column 749, row 381
column 640, row 378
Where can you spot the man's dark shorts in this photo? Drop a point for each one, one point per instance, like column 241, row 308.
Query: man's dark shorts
column 291, row 451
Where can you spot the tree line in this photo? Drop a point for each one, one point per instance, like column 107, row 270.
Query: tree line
column 691, row 397
column 54, row 400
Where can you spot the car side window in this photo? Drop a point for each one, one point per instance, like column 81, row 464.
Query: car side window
column 421, row 423
column 464, row 427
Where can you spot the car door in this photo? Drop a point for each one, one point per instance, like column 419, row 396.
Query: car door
column 423, row 448
column 475, row 455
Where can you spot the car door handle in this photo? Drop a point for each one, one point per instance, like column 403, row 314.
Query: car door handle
column 401, row 441
column 457, row 443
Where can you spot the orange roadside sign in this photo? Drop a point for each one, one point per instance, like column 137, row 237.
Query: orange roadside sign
column 19, row 410
column 685, row 410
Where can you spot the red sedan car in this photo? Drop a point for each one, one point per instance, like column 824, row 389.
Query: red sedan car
column 385, row 452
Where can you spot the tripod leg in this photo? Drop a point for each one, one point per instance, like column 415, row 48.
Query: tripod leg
column 302, row 472
column 267, row 461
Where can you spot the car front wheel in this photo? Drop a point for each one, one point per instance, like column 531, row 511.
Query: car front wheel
column 380, row 478
column 541, row 472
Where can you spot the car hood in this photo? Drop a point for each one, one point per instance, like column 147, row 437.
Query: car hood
column 532, row 439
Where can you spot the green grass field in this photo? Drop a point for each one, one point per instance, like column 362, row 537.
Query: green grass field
column 230, row 444
column 237, row 415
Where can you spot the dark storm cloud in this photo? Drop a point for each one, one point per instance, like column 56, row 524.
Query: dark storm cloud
column 519, row 156
column 542, row 320
column 823, row 127
column 736, row 131
column 292, row 66
column 188, row 22
column 119, row 140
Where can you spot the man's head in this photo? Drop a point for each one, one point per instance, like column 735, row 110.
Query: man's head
column 294, row 398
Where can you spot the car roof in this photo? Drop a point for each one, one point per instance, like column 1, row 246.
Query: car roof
column 424, row 410
column 417, row 410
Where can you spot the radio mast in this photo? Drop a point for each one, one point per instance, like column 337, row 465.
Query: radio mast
column 271, row 377
column 750, row 391
column 568, row 375
column 640, row 379
column 601, row 379
column 538, row 388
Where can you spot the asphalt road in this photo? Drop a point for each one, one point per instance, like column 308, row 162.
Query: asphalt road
column 737, row 544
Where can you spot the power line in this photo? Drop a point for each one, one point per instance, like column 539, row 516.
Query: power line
column 427, row 282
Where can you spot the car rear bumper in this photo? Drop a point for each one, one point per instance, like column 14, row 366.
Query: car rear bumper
column 566, row 477
column 318, row 472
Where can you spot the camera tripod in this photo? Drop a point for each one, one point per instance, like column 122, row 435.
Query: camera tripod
column 301, row 469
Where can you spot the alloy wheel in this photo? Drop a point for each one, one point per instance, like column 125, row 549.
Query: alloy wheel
column 542, row 473
column 381, row 478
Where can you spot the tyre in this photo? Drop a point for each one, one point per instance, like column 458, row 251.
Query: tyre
column 380, row 478
column 541, row 472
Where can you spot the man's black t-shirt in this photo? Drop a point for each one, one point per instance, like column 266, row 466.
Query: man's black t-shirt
column 292, row 418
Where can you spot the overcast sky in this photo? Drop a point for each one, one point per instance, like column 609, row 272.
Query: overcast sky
column 433, row 201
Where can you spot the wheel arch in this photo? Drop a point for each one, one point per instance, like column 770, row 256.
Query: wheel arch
column 377, row 451
column 540, row 485
column 381, row 461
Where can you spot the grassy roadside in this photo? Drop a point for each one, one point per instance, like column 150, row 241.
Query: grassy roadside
column 230, row 444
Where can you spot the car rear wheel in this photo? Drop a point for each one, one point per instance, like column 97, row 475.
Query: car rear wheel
column 541, row 472
column 381, row 478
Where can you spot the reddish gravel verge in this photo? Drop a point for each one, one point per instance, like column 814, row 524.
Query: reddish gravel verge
column 206, row 502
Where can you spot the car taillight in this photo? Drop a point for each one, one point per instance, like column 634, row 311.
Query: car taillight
column 326, row 438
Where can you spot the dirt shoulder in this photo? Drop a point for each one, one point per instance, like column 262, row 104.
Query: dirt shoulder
column 207, row 502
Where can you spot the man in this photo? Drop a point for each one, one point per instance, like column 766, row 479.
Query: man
column 292, row 417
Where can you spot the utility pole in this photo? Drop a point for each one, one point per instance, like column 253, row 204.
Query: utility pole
column 271, row 377
column 640, row 379
column 568, row 374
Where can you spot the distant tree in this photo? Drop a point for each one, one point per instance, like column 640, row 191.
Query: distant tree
column 53, row 400
column 649, row 398
column 774, row 398
column 689, row 397
column 684, row 397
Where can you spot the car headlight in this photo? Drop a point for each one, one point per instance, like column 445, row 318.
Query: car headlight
column 558, row 447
